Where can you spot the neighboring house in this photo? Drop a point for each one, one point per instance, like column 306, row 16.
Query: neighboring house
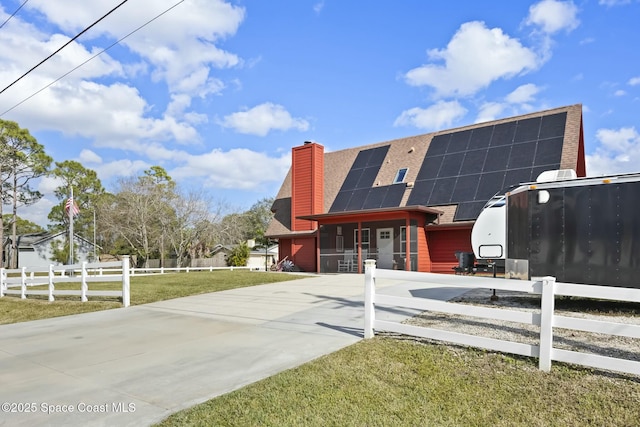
column 261, row 257
column 219, row 255
column 34, row 250
column 411, row 203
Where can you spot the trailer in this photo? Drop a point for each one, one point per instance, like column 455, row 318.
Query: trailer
column 583, row 230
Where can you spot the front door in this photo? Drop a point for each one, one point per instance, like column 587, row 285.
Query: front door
column 385, row 248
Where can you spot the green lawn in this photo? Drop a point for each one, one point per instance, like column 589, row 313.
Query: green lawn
column 144, row 289
column 400, row 382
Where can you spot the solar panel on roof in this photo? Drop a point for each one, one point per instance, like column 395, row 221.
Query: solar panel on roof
column 430, row 167
column 465, row 189
column 351, row 181
column 393, row 196
column 503, row 134
column 522, row 155
column 549, row 151
column 357, row 199
column 438, row 145
column 368, row 177
column 527, row 130
column 442, row 190
column 480, row 137
column 421, row 192
column 377, row 156
column 459, row 142
column 490, row 184
column 468, row 211
column 553, row 126
column 451, row 165
column 517, row 176
column 473, row 162
column 375, row 197
column 361, row 160
column 341, row 201
column 497, row 158
column 465, row 168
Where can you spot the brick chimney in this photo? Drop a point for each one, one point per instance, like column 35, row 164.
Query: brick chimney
column 307, row 184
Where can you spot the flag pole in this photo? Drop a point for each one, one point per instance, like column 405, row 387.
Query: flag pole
column 70, row 213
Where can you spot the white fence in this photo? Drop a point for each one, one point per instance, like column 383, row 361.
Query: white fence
column 85, row 273
column 547, row 287
column 164, row 270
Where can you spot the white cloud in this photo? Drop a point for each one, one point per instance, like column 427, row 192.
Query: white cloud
column 262, row 119
column 523, row 94
column 490, row 111
column 634, row 81
column 618, row 152
column 121, row 168
column 516, row 102
column 610, row 3
column 240, row 169
column 317, row 8
column 88, row 156
column 438, row 116
column 474, row 58
column 619, row 92
column 553, row 16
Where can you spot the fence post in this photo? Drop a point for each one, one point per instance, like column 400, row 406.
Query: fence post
column 369, row 297
column 3, row 282
column 83, row 285
column 125, row 281
column 23, row 288
column 547, row 306
column 51, row 288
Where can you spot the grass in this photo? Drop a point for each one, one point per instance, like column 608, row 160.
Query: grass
column 393, row 382
column 144, row 289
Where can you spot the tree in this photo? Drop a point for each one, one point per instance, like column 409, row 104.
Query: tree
column 23, row 226
column 238, row 256
column 141, row 212
column 87, row 189
column 22, row 159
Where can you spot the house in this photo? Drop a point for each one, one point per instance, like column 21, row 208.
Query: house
column 35, row 249
column 260, row 259
column 410, row 203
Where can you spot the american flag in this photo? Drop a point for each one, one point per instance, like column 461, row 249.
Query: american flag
column 71, row 205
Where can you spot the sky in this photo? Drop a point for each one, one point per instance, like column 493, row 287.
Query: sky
column 218, row 92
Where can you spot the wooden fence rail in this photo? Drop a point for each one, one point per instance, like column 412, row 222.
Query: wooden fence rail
column 27, row 277
column 546, row 319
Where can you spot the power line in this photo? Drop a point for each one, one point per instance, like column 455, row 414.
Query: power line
column 90, row 59
column 63, row 46
column 14, row 13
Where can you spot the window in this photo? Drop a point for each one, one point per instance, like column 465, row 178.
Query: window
column 339, row 244
column 403, row 240
column 365, row 238
column 400, row 175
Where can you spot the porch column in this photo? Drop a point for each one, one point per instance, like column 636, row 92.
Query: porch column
column 407, row 244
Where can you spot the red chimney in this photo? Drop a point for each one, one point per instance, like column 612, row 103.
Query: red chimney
column 307, row 184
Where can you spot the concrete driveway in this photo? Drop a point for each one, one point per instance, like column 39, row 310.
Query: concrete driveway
column 136, row 366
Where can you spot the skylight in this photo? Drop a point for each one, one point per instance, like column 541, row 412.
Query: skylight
column 400, row 175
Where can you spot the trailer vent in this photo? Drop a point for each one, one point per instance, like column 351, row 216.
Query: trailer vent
column 557, row 175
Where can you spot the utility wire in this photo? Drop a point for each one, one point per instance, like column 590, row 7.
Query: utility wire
column 63, row 46
column 90, row 59
column 14, row 13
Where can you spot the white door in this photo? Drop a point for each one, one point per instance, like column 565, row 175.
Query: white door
column 385, row 248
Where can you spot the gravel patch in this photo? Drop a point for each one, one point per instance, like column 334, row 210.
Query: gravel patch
column 600, row 344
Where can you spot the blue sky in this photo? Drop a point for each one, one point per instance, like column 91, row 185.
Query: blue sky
column 218, row 92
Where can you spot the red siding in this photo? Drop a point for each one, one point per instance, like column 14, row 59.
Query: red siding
column 307, row 185
column 443, row 245
column 304, row 253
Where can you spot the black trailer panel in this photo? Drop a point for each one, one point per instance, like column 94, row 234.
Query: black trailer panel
column 579, row 234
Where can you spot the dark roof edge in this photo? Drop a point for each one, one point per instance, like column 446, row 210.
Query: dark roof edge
column 424, row 209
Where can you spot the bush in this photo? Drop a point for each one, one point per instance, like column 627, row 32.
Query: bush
column 238, row 256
